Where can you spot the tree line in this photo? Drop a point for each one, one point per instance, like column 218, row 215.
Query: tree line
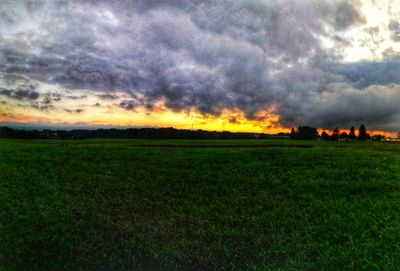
column 311, row 133
column 134, row 133
column 302, row 132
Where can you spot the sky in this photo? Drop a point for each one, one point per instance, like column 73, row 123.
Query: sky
column 237, row 65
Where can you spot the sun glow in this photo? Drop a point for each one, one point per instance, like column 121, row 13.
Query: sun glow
column 233, row 121
column 372, row 40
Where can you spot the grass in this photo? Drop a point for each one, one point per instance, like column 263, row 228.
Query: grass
column 229, row 205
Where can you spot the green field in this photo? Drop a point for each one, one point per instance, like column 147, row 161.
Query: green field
column 199, row 205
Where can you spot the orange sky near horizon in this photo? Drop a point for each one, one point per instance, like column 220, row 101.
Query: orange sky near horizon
column 227, row 121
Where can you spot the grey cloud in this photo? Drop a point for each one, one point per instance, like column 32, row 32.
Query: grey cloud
column 250, row 55
column 51, row 97
column 365, row 73
column 346, row 106
column 33, row 99
column 19, row 94
column 394, row 27
column 74, row 110
column 128, row 105
column 74, row 97
column 42, row 107
column 347, row 15
column 107, row 96
column 327, row 94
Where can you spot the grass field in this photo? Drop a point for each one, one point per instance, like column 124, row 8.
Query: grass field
column 173, row 205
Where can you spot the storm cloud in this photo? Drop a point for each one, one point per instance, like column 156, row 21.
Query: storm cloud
column 254, row 56
column 19, row 94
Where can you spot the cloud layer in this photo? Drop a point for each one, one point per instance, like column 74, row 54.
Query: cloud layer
column 206, row 55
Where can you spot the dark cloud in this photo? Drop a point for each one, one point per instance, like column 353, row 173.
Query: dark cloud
column 347, row 15
column 8, row 115
column 51, row 97
column 74, row 97
column 366, row 73
column 394, row 27
column 74, row 110
column 42, row 107
column 128, row 105
column 208, row 55
column 19, row 94
column 234, row 120
column 107, row 96
column 345, row 106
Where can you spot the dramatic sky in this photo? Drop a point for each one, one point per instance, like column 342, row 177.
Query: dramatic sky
column 240, row 65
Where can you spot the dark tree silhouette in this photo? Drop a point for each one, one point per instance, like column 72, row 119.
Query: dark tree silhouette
column 335, row 134
column 344, row 135
column 307, row 132
column 362, row 133
column 378, row 138
column 168, row 133
column 293, row 134
column 352, row 134
column 325, row 136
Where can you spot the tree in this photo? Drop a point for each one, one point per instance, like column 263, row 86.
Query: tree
column 6, row 132
column 307, row 132
column 344, row 136
column 293, row 134
column 352, row 134
column 378, row 138
column 335, row 134
column 362, row 133
column 325, row 136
